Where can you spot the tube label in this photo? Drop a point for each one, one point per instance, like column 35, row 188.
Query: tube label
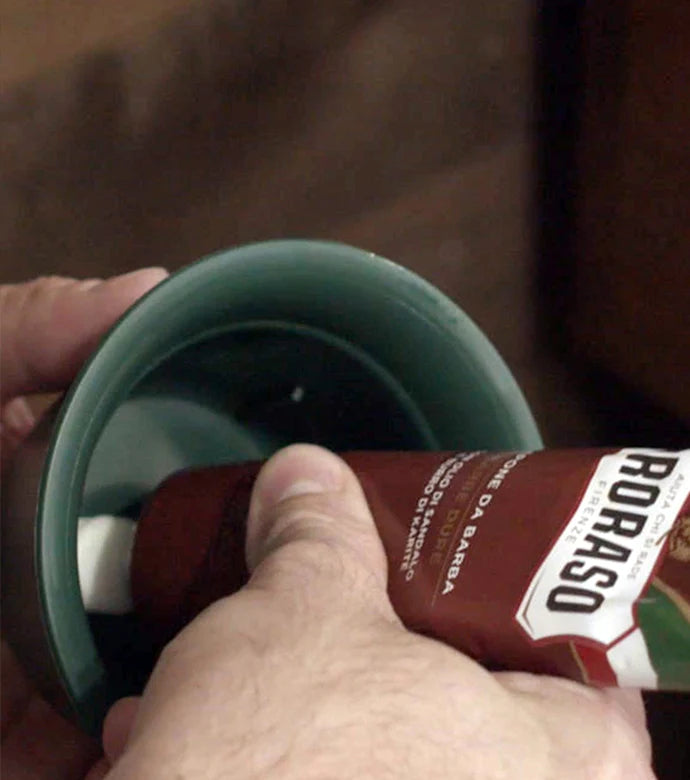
column 589, row 582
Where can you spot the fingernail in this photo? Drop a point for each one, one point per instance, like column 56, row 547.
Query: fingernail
column 152, row 275
column 303, row 487
column 153, row 270
column 300, row 470
column 18, row 416
column 89, row 284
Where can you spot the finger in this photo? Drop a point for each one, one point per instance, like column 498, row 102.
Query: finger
column 49, row 326
column 16, row 690
column 118, row 725
column 16, row 422
column 629, row 703
column 625, row 703
column 591, row 727
column 310, row 531
column 17, row 418
column 99, row 771
column 36, row 741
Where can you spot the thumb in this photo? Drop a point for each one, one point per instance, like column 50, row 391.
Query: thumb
column 311, row 534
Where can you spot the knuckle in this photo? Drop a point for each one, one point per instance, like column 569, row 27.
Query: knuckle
column 623, row 749
column 604, row 741
column 224, row 633
column 176, row 653
column 319, row 558
column 318, row 573
column 302, row 559
column 324, row 538
column 23, row 299
column 42, row 285
column 301, row 515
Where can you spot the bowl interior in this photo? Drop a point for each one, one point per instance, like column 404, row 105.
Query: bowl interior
column 229, row 360
column 210, row 403
column 241, row 393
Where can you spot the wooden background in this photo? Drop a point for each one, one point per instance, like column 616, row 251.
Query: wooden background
column 152, row 132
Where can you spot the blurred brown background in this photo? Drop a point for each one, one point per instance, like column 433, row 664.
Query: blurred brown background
column 529, row 159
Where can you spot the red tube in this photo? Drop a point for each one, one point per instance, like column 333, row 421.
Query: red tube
column 574, row 562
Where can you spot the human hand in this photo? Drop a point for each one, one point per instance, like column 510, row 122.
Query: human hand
column 48, row 328
column 308, row 673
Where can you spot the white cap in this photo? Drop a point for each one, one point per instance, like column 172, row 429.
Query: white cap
column 104, row 555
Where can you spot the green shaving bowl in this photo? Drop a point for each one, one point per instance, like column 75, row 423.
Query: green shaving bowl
column 229, row 359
